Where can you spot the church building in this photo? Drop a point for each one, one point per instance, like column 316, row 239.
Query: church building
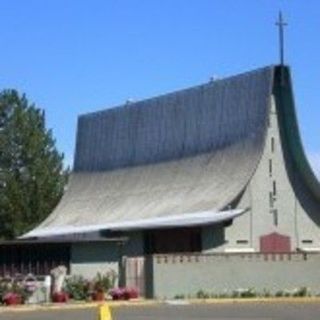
column 218, row 168
column 214, row 168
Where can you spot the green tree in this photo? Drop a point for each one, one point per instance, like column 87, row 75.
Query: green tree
column 32, row 177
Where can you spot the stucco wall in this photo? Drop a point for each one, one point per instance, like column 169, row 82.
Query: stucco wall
column 87, row 259
column 272, row 194
column 186, row 275
column 273, row 203
column 245, row 231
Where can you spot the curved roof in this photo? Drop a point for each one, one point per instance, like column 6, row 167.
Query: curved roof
column 189, row 151
column 289, row 130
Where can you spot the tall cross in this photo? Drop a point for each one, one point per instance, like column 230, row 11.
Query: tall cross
column 281, row 23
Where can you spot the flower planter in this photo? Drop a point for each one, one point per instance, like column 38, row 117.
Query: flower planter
column 60, row 297
column 12, row 299
column 124, row 293
column 131, row 293
column 117, row 293
column 98, row 296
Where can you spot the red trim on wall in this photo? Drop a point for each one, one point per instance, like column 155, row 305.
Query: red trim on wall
column 275, row 243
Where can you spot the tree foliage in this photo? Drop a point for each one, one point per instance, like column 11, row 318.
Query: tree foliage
column 32, row 177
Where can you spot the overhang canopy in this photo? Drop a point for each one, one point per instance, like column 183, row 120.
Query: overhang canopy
column 191, row 219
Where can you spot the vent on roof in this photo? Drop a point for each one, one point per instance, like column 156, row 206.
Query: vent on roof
column 129, row 101
column 213, row 78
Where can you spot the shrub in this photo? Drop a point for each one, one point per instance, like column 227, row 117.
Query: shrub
column 266, row 293
column 244, row 293
column 77, row 287
column 3, row 289
column 279, row 294
column 201, row 294
column 223, row 295
column 179, row 296
column 301, row 292
column 248, row 293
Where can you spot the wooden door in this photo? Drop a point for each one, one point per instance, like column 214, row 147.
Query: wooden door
column 135, row 274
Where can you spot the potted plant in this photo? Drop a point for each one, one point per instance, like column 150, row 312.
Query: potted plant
column 98, row 294
column 13, row 291
column 60, row 297
column 99, row 287
column 12, row 298
column 131, row 293
column 126, row 293
column 116, row 293
column 102, row 283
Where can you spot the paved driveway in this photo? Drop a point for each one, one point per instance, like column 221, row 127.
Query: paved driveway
column 234, row 311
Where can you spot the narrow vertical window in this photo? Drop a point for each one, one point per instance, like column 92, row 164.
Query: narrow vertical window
column 274, row 188
column 271, row 199
column 270, row 168
column 272, row 144
column 275, row 217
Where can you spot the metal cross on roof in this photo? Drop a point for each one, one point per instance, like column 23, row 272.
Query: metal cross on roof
column 281, row 23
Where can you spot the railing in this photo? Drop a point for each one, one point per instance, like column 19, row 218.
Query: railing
column 30, row 258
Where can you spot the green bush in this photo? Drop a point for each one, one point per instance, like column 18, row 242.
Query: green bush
column 223, row 295
column 301, row 292
column 179, row 296
column 244, row 293
column 266, row 293
column 202, row 295
column 4, row 288
column 77, row 287
column 248, row 293
column 279, row 294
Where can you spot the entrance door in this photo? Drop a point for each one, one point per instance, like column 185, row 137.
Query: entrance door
column 275, row 243
column 135, row 274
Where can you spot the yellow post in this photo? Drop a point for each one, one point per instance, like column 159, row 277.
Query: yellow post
column 104, row 312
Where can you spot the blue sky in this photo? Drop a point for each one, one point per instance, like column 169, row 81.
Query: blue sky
column 74, row 56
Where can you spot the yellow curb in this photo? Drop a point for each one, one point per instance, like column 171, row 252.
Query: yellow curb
column 46, row 307
column 256, row 300
column 104, row 312
column 143, row 303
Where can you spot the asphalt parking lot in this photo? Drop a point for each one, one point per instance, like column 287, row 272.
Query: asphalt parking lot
column 234, row 311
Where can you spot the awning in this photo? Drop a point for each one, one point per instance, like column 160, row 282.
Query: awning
column 181, row 220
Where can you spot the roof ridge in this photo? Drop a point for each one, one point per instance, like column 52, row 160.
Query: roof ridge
column 179, row 91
